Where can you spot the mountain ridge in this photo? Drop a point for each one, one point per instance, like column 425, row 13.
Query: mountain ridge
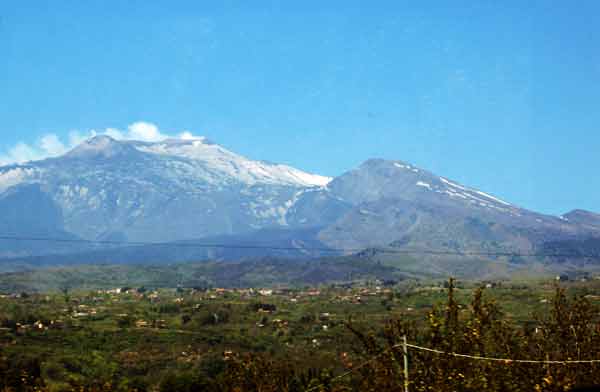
column 186, row 190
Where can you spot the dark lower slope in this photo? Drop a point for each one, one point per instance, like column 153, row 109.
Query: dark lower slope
column 259, row 273
column 276, row 243
column 26, row 211
column 584, row 252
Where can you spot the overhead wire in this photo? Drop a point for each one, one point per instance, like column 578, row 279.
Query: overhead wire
column 505, row 361
column 385, row 250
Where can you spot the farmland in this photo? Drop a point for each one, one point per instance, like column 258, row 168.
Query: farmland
column 184, row 338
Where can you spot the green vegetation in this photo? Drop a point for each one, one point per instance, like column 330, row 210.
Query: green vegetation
column 298, row 339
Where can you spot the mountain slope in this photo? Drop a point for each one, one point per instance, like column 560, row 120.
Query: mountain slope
column 400, row 206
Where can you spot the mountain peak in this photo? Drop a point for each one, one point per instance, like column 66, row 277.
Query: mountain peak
column 582, row 212
column 376, row 163
column 582, row 217
column 101, row 146
column 99, row 141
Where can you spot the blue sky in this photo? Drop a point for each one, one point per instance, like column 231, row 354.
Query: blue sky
column 497, row 95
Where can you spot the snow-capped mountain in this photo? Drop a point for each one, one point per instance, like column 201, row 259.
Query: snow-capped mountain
column 226, row 166
column 177, row 190
column 206, row 161
column 171, row 190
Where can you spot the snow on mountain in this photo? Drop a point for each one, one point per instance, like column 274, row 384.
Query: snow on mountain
column 396, row 179
column 469, row 193
column 454, row 190
column 232, row 165
column 13, row 175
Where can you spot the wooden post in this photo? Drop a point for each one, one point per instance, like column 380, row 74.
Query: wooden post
column 405, row 365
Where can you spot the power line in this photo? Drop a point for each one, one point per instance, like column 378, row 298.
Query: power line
column 291, row 248
column 169, row 244
column 505, row 361
column 354, row 369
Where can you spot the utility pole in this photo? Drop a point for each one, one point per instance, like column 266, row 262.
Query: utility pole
column 405, row 365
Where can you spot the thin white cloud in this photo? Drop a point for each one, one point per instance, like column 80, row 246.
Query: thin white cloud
column 51, row 145
column 19, row 153
column 76, row 137
column 114, row 133
column 187, row 135
column 146, row 132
